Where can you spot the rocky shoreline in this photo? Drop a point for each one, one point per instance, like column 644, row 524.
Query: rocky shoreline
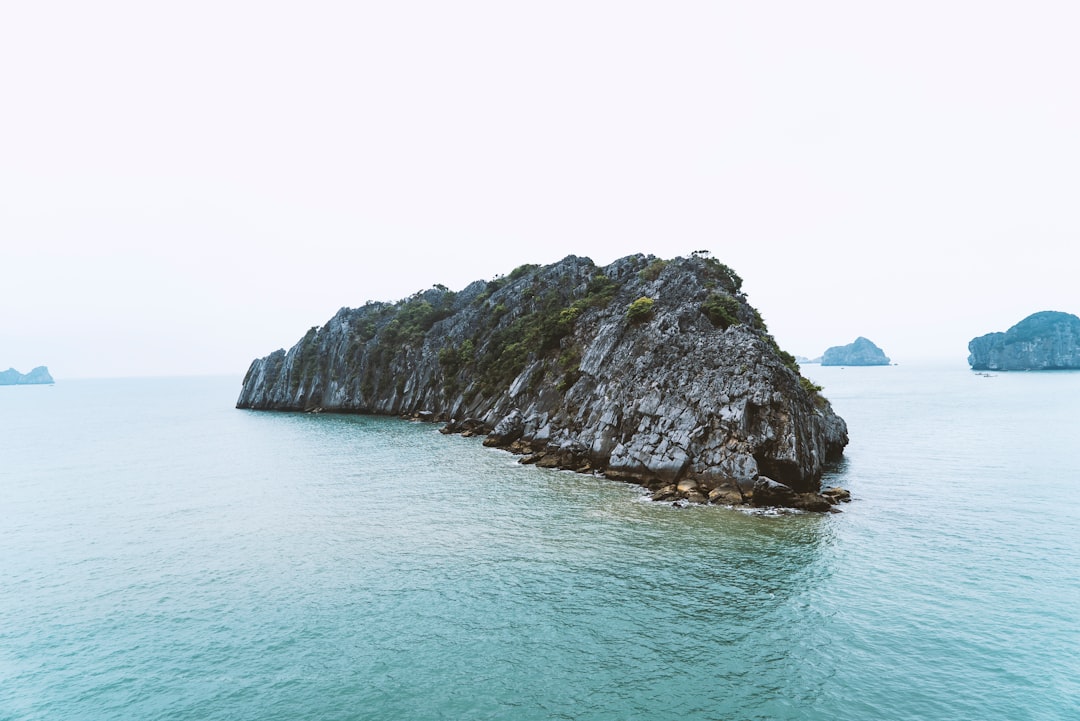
column 763, row 493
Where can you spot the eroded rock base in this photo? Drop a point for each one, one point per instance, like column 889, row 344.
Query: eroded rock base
column 763, row 493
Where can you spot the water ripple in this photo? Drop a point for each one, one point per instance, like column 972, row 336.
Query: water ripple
column 190, row 561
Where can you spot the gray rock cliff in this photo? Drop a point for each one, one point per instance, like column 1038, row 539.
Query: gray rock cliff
column 12, row 377
column 862, row 352
column 652, row 371
column 1048, row 340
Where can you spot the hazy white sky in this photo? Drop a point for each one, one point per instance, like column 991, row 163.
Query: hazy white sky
column 186, row 186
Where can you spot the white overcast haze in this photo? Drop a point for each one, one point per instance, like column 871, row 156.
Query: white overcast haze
column 187, row 186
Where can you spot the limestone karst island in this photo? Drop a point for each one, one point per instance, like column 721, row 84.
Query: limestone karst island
column 652, row 371
column 37, row 376
column 1048, row 340
column 861, row 352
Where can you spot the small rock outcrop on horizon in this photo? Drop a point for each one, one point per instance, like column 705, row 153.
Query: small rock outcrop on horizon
column 646, row 370
column 1048, row 340
column 862, row 352
column 37, row 376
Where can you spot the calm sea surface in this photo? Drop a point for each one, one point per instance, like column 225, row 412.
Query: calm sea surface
column 165, row 556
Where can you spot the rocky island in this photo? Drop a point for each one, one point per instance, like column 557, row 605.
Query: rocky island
column 1048, row 340
column 652, row 371
column 37, row 376
column 861, row 352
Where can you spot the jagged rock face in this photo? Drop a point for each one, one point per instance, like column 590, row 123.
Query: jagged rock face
column 862, row 352
column 12, row 377
column 568, row 364
column 1048, row 340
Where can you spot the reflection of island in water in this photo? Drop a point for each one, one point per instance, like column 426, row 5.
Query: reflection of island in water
column 37, row 376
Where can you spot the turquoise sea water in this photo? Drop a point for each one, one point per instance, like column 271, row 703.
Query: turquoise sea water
column 165, row 556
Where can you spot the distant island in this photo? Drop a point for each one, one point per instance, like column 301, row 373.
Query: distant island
column 653, row 371
column 862, row 352
column 12, row 377
column 1047, row 340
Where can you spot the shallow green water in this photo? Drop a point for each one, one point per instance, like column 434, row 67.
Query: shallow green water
column 165, row 556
